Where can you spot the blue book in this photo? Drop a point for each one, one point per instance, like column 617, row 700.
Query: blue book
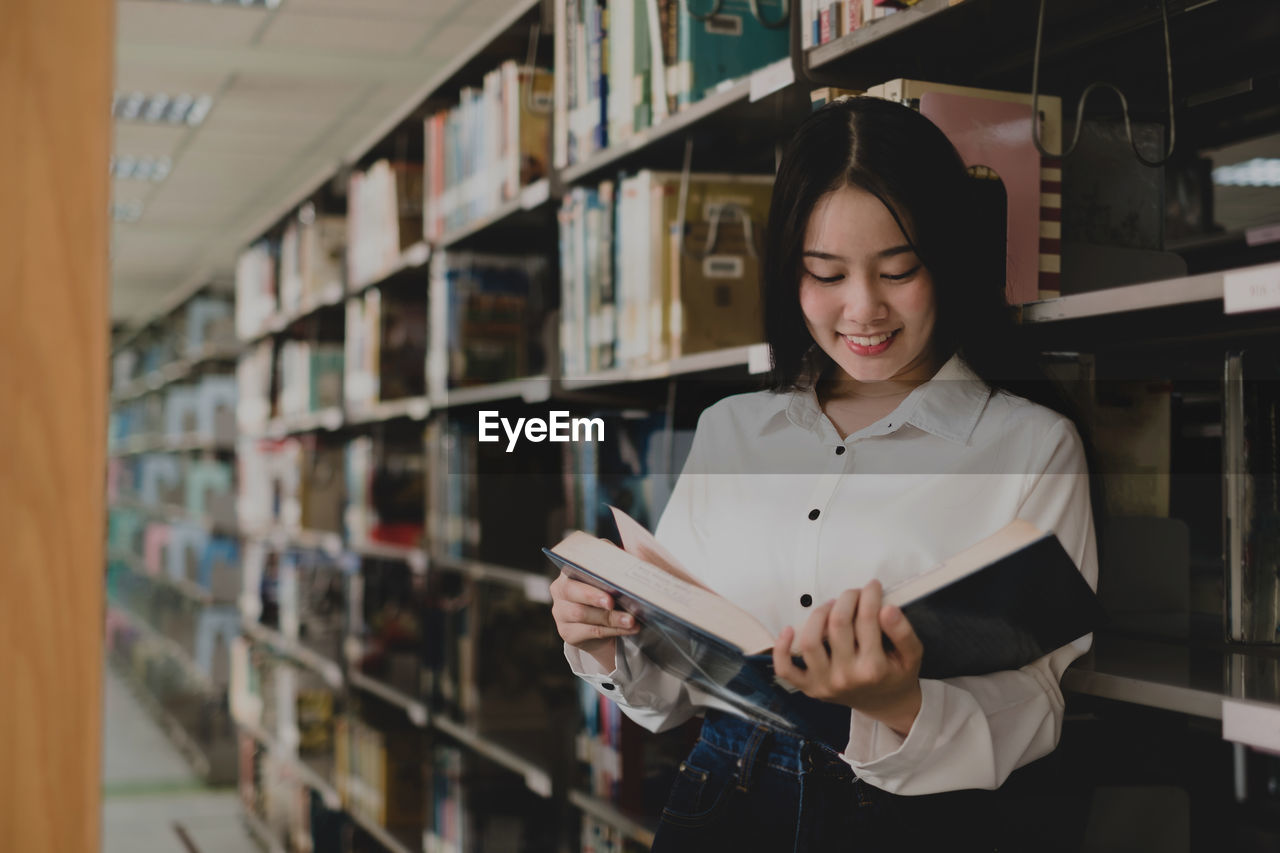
column 730, row 44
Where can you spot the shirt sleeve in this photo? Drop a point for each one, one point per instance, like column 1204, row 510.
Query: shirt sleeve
column 650, row 696
column 973, row 731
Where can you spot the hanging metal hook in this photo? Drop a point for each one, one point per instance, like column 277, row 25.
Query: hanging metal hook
column 1084, row 97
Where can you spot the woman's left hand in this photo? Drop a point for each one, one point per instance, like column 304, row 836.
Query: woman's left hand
column 846, row 661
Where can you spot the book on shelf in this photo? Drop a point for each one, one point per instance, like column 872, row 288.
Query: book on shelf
column 732, row 43
column 992, row 132
column 999, row 604
column 384, row 217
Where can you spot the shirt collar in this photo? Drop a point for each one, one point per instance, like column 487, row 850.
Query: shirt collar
column 948, row 405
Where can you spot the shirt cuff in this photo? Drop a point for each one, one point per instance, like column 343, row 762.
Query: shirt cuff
column 589, row 669
column 881, row 756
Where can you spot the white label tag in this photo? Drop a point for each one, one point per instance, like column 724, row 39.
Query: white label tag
column 772, row 78
column 1251, row 289
column 758, row 359
column 1251, row 723
column 535, row 194
column 722, row 266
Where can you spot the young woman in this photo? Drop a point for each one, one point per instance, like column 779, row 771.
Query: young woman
column 890, row 440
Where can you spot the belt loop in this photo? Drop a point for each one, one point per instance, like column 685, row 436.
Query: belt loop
column 747, row 760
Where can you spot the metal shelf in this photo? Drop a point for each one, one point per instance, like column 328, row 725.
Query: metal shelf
column 414, row 708
column 754, row 358
column 175, row 514
column 903, row 19
column 174, row 372
column 186, row 588
column 607, row 812
column 330, row 670
column 1174, row 677
column 536, row 779
column 138, row 444
column 169, row 647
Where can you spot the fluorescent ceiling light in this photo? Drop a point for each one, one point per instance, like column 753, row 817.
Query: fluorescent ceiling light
column 183, row 108
column 1258, row 172
column 126, row 211
column 145, row 168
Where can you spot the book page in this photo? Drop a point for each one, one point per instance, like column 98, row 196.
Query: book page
column 655, row 587
column 641, row 543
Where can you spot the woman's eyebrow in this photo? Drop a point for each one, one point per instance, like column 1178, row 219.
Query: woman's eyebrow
column 904, row 249
column 897, row 250
column 822, row 256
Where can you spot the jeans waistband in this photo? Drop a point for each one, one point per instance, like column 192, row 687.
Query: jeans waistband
column 785, row 751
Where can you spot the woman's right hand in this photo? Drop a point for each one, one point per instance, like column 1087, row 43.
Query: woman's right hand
column 586, row 619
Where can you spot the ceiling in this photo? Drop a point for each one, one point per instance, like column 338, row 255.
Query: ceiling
column 297, row 90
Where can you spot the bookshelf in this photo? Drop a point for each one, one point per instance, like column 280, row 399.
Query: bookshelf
column 1182, row 321
column 172, row 555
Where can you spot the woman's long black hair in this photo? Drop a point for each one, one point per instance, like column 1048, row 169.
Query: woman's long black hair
column 902, row 158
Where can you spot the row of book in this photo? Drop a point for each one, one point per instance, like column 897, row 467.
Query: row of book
column 824, row 21
column 201, row 487
column 480, row 153
column 204, row 409
column 625, row 65
column 183, row 552
column 205, row 322
column 658, row 266
column 301, row 594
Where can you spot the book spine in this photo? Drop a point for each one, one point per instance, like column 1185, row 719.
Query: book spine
column 1050, row 227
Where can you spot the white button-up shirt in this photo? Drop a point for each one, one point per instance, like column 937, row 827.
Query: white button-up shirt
column 770, row 511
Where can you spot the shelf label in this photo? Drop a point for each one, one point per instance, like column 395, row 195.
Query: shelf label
column 418, row 409
column 539, row 783
column 331, row 419
column 1252, row 723
column 417, row 714
column 1251, row 289
column 758, row 358
column 535, row 194
column 537, row 589
column 417, row 255
column 772, row 78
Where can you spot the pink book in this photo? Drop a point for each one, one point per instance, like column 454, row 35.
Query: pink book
column 154, row 542
column 997, row 134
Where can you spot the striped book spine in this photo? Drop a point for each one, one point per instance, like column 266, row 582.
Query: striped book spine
column 1050, row 227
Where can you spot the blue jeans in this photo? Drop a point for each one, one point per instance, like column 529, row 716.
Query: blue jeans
column 749, row 787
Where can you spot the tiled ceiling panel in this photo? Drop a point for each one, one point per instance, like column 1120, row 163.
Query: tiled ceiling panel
column 157, row 140
column 388, row 36
column 193, row 24
column 415, row 9
column 297, row 91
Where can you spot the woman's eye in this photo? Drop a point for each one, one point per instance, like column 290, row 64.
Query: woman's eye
column 831, row 279
column 903, row 276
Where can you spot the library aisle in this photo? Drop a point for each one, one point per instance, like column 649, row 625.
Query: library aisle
column 151, row 800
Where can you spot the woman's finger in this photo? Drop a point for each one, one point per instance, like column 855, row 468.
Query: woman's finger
column 840, row 625
column 583, row 593
column 577, row 633
column 783, row 666
column 866, row 623
column 895, row 625
column 811, row 641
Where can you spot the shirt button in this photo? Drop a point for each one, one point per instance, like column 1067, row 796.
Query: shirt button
column 813, row 514
column 806, row 600
column 607, row 686
column 840, row 450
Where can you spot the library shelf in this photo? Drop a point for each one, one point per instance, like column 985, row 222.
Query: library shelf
column 312, row 778
column 171, row 727
column 175, row 371
column 902, row 20
column 537, row 779
column 415, row 709
column 175, row 514
column 753, row 357
column 631, row 827
column 170, row 647
column 536, row 587
column 414, row 408
column 1175, row 677
column 330, row 418
column 287, row 647
column 411, row 260
column 530, row 389
column 509, row 217
column 187, row 588
column 417, row 558
column 750, row 108
column 260, row 832
column 384, row 836
column 289, row 539
column 139, row 444
column 1223, row 285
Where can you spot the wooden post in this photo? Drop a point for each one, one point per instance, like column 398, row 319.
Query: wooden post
column 56, row 70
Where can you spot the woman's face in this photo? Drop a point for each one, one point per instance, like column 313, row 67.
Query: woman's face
column 866, row 297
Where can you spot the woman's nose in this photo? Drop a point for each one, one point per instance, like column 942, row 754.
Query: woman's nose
column 863, row 304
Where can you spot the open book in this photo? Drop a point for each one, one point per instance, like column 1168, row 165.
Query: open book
column 1000, row 604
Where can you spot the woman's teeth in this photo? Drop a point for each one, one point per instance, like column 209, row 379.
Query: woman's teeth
column 871, row 341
